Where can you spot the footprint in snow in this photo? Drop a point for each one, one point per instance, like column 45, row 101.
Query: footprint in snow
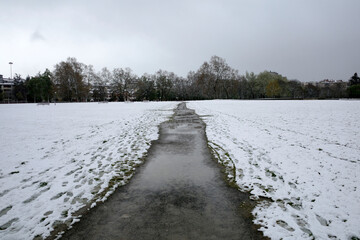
column 5, row 210
column 8, row 224
column 286, row 226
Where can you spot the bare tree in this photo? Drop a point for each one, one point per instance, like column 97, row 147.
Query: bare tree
column 124, row 84
column 90, row 79
column 69, row 80
column 145, row 88
column 215, row 79
column 164, row 84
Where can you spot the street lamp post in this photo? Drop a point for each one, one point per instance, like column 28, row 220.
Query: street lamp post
column 10, row 63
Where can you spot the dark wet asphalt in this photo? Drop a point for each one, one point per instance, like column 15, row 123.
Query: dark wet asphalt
column 179, row 193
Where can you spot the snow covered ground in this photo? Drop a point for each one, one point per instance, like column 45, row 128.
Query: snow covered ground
column 303, row 155
column 57, row 159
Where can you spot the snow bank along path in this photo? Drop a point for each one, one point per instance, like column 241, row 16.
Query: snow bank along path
column 303, row 155
column 57, row 159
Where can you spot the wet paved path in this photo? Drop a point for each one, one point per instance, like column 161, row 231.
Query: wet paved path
column 179, row 193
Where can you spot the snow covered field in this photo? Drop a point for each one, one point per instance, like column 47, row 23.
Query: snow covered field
column 57, row 159
column 303, row 155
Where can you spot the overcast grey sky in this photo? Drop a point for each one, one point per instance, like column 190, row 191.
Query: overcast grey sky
column 309, row 40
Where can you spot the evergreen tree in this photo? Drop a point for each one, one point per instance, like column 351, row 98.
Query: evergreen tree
column 355, row 79
column 19, row 89
column 354, row 86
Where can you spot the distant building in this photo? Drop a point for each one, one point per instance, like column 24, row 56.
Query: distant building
column 326, row 88
column 329, row 83
column 6, row 87
column 274, row 73
column 326, row 83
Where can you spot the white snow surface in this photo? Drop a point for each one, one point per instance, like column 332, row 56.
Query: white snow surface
column 56, row 159
column 303, row 155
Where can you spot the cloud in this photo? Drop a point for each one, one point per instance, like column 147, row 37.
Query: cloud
column 37, row 36
column 305, row 39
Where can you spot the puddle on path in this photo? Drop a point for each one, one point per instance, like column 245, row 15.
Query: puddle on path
column 179, row 193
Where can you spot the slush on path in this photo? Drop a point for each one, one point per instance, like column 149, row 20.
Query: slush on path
column 179, row 193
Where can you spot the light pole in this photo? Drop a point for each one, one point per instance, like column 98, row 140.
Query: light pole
column 10, row 63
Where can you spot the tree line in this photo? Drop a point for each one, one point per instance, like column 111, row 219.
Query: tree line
column 72, row 81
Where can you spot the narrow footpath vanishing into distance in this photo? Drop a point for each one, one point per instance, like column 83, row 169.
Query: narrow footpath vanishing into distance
column 179, row 193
